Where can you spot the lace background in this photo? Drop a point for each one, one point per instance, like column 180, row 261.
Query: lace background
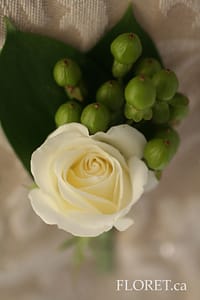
column 164, row 243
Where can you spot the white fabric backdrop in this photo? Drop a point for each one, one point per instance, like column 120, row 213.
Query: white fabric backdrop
column 164, row 243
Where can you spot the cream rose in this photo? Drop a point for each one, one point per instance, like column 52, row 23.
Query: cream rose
column 88, row 183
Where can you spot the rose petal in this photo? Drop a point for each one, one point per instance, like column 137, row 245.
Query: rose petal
column 72, row 128
column 139, row 177
column 77, row 223
column 123, row 223
column 43, row 205
column 104, row 185
column 85, row 200
column 43, row 158
column 41, row 163
column 126, row 190
column 152, row 181
column 71, row 193
column 125, row 138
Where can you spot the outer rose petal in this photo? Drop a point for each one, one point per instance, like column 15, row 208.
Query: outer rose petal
column 72, row 128
column 139, row 177
column 41, row 161
column 152, row 181
column 43, row 205
column 123, row 224
column 128, row 140
column 77, row 223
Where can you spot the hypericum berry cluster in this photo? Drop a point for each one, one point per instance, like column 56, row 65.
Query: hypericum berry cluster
column 148, row 97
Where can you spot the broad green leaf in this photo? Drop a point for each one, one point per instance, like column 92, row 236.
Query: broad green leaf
column 29, row 95
column 101, row 51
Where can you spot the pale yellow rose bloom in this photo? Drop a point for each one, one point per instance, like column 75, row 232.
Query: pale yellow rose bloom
column 88, row 183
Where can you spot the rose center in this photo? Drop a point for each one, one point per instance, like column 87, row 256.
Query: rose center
column 92, row 164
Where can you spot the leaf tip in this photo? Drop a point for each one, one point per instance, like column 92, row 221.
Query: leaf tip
column 129, row 7
column 129, row 11
column 9, row 25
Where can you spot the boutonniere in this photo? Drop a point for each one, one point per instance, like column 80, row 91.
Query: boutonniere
column 95, row 129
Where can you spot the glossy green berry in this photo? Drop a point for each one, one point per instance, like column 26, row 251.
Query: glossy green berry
column 126, row 48
column 160, row 112
column 67, row 113
column 66, row 72
column 169, row 134
column 111, row 94
column 166, row 84
column 148, row 67
column 132, row 113
column 156, row 153
column 140, row 92
column 147, row 114
column 178, row 112
column 179, row 108
column 179, row 99
column 96, row 117
column 119, row 70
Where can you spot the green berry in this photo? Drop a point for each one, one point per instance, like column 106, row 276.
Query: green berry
column 140, row 92
column 179, row 108
column 66, row 72
column 96, row 117
column 67, row 113
column 178, row 112
column 156, row 153
column 119, row 70
column 160, row 112
column 132, row 113
column 111, row 94
column 147, row 114
column 126, row 48
column 148, row 67
column 166, row 84
column 168, row 133
column 179, row 99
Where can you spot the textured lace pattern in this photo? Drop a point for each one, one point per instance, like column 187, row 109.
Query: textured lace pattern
column 164, row 243
column 194, row 5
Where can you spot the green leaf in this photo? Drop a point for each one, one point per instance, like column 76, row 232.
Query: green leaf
column 29, row 95
column 101, row 51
